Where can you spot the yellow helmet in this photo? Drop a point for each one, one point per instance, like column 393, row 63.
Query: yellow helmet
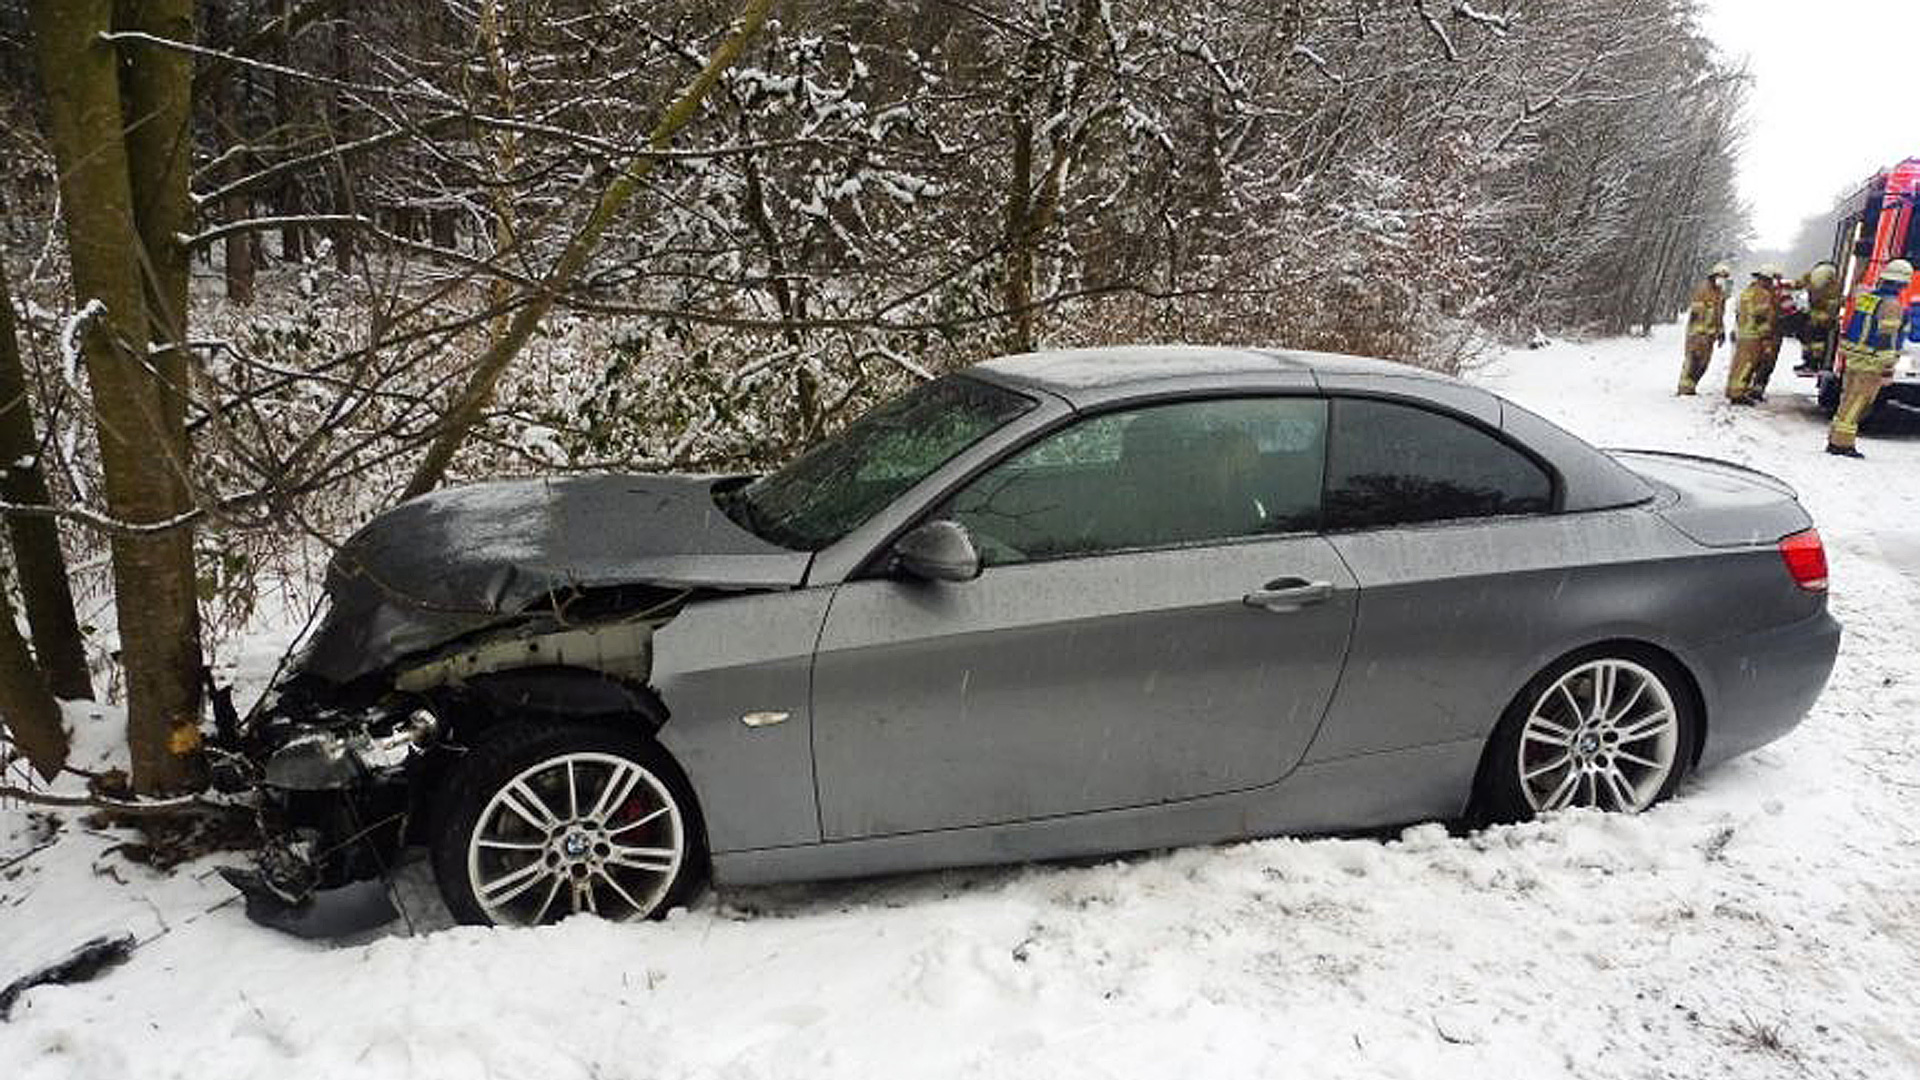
column 1899, row 271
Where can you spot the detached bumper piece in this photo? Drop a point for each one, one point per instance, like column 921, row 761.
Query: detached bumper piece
column 321, row 914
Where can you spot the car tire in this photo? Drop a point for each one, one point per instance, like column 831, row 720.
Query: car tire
column 537, row 822
column 1587, row 731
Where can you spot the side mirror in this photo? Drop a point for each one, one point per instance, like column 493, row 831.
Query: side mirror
column 938, row 551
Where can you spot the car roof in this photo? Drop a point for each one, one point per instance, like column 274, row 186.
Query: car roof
column 1089, row 376
column 1115, row 376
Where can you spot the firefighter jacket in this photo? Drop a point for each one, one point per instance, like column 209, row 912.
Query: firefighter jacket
column 1823, row 301
column 1755, row 317
column 1871, row 339
column 1707, row 314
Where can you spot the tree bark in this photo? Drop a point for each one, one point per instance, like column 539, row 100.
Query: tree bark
column 806, row 390
column 478, row 391
column 157, row 86
column 1032, row 202
column 1017, row 284
column 506, row 225
column 153, row 587
column 157, row 90
column 28, row 711
column 343, row 200
column 44, row 589
column 288, row 202
column 229, row 130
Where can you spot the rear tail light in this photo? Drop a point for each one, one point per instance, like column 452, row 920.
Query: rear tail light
column 1806, row 560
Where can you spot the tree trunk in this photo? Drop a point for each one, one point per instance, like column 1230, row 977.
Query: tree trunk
column 806, row 390
column 157, row 84
column 31, row 717
column 506, row 226
column 1017, row 284
column 44, row 589
column 157, row 87
column 343, row 201
column 239, row 253
column 153, row 587
column 229, row 131
column 478, row 391
column 1032, row 200
column 286, row 199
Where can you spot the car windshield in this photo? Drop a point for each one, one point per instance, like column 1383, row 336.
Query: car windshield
column 837, row 485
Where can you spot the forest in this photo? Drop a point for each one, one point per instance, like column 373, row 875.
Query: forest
column 269, row 266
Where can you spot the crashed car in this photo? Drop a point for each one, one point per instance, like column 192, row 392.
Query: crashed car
column 1052, row 605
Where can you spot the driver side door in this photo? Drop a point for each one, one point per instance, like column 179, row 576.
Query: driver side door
column 1157, row 620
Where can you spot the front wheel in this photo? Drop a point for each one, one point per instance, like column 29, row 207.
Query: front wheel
column 1613, row 729
column 544, row 822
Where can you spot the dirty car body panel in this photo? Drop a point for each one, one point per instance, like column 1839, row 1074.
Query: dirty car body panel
column 1337, row 664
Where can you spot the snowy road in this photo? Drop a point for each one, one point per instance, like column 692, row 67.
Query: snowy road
column 1764, row 924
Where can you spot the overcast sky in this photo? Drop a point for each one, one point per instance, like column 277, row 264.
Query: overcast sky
column 1836, row 96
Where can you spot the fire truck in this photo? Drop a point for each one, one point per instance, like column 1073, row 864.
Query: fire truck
column 1883, row 224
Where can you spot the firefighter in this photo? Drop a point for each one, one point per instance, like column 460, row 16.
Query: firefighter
column 1706, row 323
column 1753, row 322
column 1869, row 345
column 1823, row 306
column 1788, row 321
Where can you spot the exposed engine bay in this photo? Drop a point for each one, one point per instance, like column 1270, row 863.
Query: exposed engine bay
column 445, row 618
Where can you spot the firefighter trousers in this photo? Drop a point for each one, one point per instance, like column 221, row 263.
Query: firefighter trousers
column 1699, row 355
column 1746, row 357
column 1813, row 346
column 1763, row 367
column 1858, row 387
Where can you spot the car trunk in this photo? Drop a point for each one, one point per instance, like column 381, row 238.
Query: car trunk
column 1717, row 503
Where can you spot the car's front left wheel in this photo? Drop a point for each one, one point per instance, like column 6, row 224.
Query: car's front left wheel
column 541, row 822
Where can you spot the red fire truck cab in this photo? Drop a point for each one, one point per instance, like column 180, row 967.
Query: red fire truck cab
column 1883, row 225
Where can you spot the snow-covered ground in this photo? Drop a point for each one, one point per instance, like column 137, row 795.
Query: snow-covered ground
column 1766, row 923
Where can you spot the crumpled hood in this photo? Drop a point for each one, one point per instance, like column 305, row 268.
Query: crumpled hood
column 457, row 560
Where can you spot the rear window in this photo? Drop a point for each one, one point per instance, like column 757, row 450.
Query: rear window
column 1390, row 464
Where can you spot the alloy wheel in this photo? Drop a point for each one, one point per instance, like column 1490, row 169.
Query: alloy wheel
column 1606, row 734
column 577, row 832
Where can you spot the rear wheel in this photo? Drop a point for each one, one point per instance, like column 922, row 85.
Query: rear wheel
column 1611, row 728
column 544, row 822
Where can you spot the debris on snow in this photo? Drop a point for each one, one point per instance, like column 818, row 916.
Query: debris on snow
column 83, row 964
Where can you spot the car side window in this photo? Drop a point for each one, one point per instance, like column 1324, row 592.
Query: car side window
column 1152, row 477
column 1391, row 464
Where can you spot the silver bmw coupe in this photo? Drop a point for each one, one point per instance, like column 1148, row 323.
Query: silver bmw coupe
column 1058, row 604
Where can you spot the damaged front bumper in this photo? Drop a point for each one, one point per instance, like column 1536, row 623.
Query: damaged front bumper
column 335, row 796
column 339, row 769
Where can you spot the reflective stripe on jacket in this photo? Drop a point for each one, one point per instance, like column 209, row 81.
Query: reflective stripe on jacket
column 1871, row 338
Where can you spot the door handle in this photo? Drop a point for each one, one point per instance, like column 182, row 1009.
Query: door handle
column 1288, row 594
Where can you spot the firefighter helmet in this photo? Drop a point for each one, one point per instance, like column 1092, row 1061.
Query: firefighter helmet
column 1899, row 271
column 1821, row 273
column 1771, row 270
column 1720, row 269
